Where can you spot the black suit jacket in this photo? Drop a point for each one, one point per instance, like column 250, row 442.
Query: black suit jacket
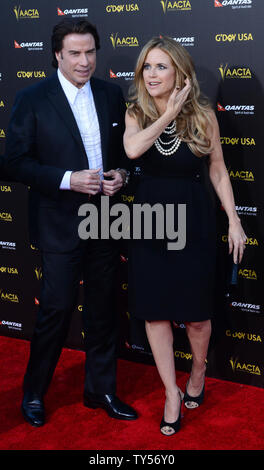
column 43, row 141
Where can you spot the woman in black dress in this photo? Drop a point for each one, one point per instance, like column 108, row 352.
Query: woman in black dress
column 172, row 128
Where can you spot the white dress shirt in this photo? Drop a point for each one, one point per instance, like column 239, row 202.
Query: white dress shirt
column 82, row 104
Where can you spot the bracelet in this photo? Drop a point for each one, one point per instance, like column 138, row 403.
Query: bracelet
column 125, row 175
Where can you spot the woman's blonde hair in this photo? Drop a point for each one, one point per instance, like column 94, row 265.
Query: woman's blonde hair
column 193, row 119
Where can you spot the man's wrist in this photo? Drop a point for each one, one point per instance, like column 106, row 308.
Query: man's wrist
column 124, row 175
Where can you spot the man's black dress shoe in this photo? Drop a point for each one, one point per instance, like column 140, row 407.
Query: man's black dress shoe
column 111, row 404
column 33, row 410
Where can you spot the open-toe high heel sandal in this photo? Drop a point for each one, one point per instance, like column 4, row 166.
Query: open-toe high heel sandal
column 174, row 426
column 193, row 402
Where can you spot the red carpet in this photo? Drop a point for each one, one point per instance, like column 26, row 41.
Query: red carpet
column 231, row 417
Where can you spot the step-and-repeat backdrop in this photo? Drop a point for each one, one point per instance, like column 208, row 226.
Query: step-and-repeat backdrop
column 225, row 40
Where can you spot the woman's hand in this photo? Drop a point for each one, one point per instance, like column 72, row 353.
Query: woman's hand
column 177, row 99
column 236, row 240
column 136, row 140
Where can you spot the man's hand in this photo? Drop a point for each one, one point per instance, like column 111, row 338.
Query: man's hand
column 111, row 186
column 86, row 181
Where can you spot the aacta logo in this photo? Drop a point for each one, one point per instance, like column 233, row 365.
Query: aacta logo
column 248, row 274
column 243, row 367
column 128, row 41
column 32, row 13
column 235, row 72
column 8, row 296
column 6, row 216
column 243, row 175
column 181, row 5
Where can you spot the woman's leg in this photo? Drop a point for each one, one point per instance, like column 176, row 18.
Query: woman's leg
column 160, row 337
column 199, row 336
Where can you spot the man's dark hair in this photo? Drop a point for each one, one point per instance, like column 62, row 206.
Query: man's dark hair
column 69, row 26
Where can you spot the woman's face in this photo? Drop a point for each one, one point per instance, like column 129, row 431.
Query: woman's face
column 159, row 74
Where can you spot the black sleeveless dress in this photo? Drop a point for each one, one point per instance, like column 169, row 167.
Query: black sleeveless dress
column 174, row 284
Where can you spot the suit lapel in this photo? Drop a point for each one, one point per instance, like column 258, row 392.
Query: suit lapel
column 102, row 109
column 58, row 99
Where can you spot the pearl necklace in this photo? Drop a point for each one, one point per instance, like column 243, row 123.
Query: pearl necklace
column 175, row 141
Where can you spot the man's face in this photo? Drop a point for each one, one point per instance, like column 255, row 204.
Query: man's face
column 77, row 58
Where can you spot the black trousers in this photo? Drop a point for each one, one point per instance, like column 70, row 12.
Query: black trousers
column 94, row 261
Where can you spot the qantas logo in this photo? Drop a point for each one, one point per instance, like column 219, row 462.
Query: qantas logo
column 8, row 245
column 237, row 108
column 246, row 210
column 125, row 75
column 11, row 324
column 30, row 46
column 74, row 12
column 185, row 41
column 246, row 307
column 233, row 3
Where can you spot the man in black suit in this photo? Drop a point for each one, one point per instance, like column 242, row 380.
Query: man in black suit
column 64, row 139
